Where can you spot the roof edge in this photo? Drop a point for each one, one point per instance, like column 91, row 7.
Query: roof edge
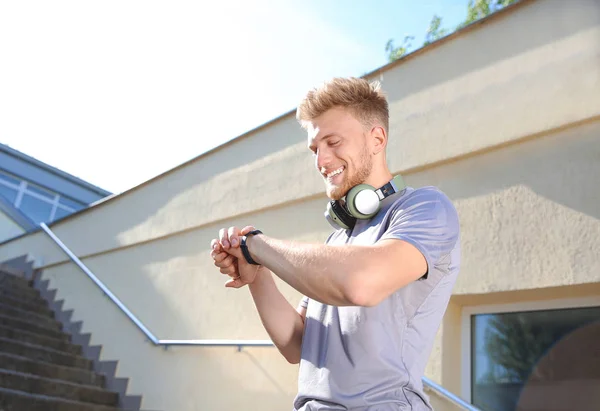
column 51, row 169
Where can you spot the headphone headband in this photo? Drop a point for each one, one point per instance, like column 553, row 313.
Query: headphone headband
column 395, row 185
column 361, row 202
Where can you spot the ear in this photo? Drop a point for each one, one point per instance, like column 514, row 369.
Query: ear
column 378, row 139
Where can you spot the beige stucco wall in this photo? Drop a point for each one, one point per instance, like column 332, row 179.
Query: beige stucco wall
column 504, row 117
column 8, row 227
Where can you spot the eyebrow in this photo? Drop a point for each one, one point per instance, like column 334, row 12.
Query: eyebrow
column 311, row 147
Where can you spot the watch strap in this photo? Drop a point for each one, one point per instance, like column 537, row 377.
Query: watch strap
column 244, row 247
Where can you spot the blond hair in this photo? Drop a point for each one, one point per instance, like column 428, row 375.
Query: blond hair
column 365, row 101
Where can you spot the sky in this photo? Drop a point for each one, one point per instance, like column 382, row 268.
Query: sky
column 118, row 92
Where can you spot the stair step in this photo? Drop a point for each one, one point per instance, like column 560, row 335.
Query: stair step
column 45, row 369
column 38, row 352
column 40, row 307
column 49, row 342
column 32, row 317
column 26, row 291
column 10, row 284
column 28, row 295
column 14, row 400
column 47, row 386
column 21, row 324
column 14, row 280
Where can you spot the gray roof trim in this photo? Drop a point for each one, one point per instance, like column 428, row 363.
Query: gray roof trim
column 16, row 215
column 24, row 157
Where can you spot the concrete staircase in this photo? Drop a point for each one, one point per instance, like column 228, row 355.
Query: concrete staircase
column 40, row 368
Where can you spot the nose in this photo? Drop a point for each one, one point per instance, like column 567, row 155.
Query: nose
column 322, row 159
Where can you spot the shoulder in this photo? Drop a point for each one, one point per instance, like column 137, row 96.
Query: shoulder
column 430, row 198
column 427, row 206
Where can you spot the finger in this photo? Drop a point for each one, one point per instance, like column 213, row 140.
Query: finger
column 223, row 258
column 228, row 261
column 220, row 254
column 236, row 252
column 234, row 234
column 230, row 271
column 234, row 283
column 223, row 238
column 226, row 265
column 227, row 268
column 247, row 229
column 215, row 245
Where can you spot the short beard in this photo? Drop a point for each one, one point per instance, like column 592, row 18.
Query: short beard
column 358, row 177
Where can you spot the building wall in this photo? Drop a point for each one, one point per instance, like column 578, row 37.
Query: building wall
column 504, row 117
column 8, row 227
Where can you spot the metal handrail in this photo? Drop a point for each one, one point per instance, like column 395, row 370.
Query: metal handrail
column 448, row 395
column 209, row 343
column 156, row 341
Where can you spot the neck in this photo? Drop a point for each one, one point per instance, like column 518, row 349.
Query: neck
column 379, row 178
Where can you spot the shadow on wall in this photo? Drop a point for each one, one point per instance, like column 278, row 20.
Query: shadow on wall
column 529, row 212
column 211, row 188
column 240, row 190
column 562, row 167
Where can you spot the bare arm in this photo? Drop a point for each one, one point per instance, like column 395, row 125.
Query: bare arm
column 283, row 323
column 341, row 275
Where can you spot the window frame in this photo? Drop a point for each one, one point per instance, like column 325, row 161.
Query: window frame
column 23, row 188
column 539, row 305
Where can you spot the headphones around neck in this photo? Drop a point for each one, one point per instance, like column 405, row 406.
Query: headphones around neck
column 362, row 202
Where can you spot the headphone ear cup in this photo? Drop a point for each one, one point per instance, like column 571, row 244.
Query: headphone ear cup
column 362, row 201
column 336, row 215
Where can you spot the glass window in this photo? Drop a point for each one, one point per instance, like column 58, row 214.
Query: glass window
column 535, row 360
column 40, row 191
column 37, row 210
column 61, row 212
column 71, row 203
column 8, row 193
column 9, row 179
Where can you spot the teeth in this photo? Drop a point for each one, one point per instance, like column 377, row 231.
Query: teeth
column 335, row 172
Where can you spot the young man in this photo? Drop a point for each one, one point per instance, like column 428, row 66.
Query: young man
column 376, row 292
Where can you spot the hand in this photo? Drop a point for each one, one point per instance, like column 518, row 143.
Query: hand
column 226, row 263
column 229, row 258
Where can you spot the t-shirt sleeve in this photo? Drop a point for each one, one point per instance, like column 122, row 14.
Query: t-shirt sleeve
column 429, row 221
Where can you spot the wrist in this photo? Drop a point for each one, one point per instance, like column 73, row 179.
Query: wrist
column 248, row 250
column 263, row 276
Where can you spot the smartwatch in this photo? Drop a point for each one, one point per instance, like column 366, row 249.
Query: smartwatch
column 244, row 247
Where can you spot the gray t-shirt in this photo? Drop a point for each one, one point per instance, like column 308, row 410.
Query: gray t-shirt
column 373, row 358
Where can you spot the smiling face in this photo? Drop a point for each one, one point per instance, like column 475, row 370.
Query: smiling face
column 347, row 120
column 341, row 147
